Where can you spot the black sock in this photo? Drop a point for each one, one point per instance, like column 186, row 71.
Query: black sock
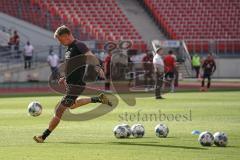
column 95, row 100
column 107, row 86
column 46, row 133
column 203, row 83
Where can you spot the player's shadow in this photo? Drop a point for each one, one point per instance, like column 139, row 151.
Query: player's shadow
column 156, row 145
column 146, row 144
column 76, row 142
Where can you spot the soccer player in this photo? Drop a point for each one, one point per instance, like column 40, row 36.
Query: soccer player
column 76, row 51
column 159, row 73
column 107, row 70
column 169, row 68
column 209, row 67
column 148, row 70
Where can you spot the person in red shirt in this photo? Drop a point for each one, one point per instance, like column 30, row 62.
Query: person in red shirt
column 148, row 69
column 107, row 70
column 169, row 67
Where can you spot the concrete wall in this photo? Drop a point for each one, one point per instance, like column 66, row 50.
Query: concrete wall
column 41, row 73
column 227, row 68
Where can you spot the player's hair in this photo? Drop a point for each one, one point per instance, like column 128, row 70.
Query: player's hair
column 170, row 52
column 62, row 30
column 158, row 49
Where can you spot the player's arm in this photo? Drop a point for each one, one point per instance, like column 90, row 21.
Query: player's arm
column 214, row 66
column 158, row 68
column 62, row 81
column 92, row 59
column 105, row 65
column 143, row 62
column 204, row 64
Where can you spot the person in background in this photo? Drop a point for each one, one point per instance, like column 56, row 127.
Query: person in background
column 73, row 79
column 159, row 72
column 196, row 63
column 169, row 68
column 131, row 74
column 107, row 70
column 209, row 67
column 176, row 76
column 53, row 61
column 148, row 70
column 13, row 44
column 28, row 54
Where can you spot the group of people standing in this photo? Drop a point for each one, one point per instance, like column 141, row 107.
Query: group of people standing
column 165, row 71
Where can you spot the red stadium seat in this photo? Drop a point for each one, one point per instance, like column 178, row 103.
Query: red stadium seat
column 197, row 20
column 96, row 19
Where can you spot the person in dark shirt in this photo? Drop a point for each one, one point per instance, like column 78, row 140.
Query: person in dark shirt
column 208, row 67
column 131, row 73
column 148, row 70
column 76, row 56
column 107, row 70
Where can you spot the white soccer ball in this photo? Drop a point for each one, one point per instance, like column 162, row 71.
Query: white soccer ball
column 161, row 130
column 137, row 130
column 34, row 109
column 129, row 132
column 220, row 139
column 121, row 131
column 206, row 139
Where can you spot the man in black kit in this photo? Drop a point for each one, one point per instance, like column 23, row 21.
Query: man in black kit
column 209, row 67
column 76, row 55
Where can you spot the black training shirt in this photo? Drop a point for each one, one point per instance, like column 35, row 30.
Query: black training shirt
column 75, row 62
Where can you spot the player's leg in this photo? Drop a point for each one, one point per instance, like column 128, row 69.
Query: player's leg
column 29, row 62
column 107, row 82
column 145, row 80
column 203, row 82
column 57, row 117
column 158, row 86
column 107, row 85
column 25, row 62
column 195, row 68
column 172, row 81
column 67, row 101
column 209, row 81
column 81, row 102
column 197, row 72
column 102, row 98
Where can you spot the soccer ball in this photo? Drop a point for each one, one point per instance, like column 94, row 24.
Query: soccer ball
column 220, row 139
column 129, row 132
column 206, row 139
column 137, row 130
column 161, row 130
column 121, row 131
column 34, row 109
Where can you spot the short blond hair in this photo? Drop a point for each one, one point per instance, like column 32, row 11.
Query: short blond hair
column 62, row 30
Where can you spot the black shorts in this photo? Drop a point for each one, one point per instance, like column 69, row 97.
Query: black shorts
column 72, row 93
column 27, row 58
column 131, row 76
column 169, row 75
column 107, row 75
column 207, row 75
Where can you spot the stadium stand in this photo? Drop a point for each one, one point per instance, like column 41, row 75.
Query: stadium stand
column 99, row 20
column 195, row 20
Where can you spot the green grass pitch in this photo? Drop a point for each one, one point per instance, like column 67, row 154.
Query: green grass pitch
column 212, row 111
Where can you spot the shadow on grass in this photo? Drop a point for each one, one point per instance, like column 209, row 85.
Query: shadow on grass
column 145, row 144
column 75, row 143
column 156, row 145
